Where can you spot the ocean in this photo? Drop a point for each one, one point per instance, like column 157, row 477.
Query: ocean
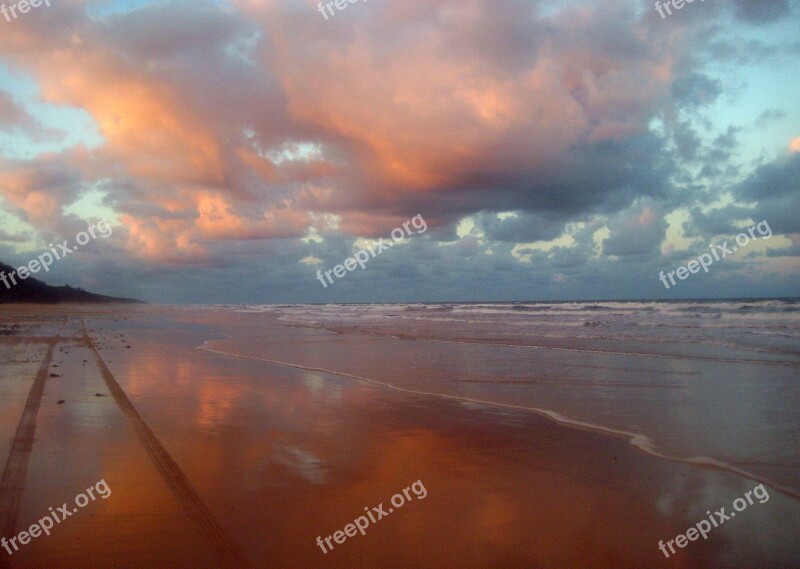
column 710, row 382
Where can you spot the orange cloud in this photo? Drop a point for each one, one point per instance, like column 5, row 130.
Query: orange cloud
column 163, row 240
column 400, row 105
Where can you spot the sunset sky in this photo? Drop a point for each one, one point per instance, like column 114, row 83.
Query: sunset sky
column 556, row 149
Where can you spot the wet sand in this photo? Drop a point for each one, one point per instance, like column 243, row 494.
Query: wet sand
column 219, row 461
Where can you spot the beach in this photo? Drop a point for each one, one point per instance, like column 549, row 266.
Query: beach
column 562, row 435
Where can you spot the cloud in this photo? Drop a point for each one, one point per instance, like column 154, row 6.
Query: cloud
column 14, row 118
column 768, row 116
column 638, row 232
column 520, row 228
column 775, row 189
column 695, row 90
column 392, row 113
column 231, row 131
column 761, row 11
column 38, row 190
column 7, row 237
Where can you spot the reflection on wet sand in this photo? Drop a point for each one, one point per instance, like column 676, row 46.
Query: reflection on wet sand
column 278, row 456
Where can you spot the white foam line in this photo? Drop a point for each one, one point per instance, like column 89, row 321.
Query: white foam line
column 637, row 440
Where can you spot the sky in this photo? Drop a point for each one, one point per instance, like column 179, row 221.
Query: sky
column 556, row 150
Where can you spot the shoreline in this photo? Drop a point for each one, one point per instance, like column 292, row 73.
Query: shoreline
column 636, row 440
column 277, row 453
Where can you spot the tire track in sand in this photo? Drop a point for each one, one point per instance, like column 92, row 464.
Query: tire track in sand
column 227, row 552
column 12, row 484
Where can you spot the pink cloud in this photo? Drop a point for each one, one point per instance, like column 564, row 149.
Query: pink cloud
column 402, row 106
